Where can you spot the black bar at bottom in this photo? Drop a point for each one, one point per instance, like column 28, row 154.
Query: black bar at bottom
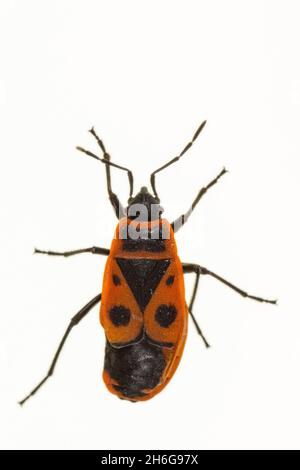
column 104, row 458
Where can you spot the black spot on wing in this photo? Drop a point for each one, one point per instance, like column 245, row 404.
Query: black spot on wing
column 119, row 315
column 165, row 315
column 170, row 280
column 116, row 280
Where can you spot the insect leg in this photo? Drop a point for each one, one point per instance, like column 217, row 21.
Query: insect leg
column 186, row 270
column 186, row 148
column 193, row 267
column 95, row 250
column 119, row 210
column 74, row 321
column 112, row 196
column 180, row 221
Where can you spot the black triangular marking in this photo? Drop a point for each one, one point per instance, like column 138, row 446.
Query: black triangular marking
column 142, row 269
column 143, row 276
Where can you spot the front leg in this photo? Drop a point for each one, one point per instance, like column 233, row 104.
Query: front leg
column 178, row 223
column 95, row 250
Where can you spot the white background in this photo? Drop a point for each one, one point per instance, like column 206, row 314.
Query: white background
column 145, row 74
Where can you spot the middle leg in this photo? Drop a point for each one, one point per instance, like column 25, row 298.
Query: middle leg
column 196, row 268
column 186, row 270
column 95, row 250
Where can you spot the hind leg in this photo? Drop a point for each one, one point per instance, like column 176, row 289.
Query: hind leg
column 74, row 321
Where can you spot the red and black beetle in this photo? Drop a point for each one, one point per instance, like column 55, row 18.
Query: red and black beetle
column 143, row 309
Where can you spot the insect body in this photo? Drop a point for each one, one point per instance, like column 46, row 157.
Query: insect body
column 143, row 312
column 143, row 308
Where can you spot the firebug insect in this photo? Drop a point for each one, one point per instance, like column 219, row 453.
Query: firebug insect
column 143, row 308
